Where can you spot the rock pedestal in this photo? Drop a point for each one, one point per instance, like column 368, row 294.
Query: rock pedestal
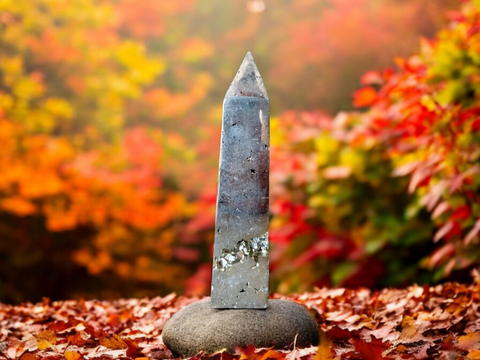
column 198, row 327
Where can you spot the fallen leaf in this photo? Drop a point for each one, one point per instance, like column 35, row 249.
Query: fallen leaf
column 474, row 355
column 72, row 355
column 251, row 353
column 45, row 339
column 28, row 356
column 469, row 342
column 113, row 342
column 325, row 347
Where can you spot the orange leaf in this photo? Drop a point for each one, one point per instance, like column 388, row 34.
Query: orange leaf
column 18, row 206
column 113, row 342
column 72, row 355
column 325, row 348
column 474, row 355
column 469, row 341
column 364, row 97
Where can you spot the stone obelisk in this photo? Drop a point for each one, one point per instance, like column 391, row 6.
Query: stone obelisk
column 240, row 253
column 239, row 312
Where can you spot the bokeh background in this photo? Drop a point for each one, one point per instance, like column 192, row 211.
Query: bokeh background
column 110, row 114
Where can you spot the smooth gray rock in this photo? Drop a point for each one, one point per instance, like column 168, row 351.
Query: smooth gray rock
column 199, row 327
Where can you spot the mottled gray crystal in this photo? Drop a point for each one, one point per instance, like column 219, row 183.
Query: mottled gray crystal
column 253, row 248
column 240, row 254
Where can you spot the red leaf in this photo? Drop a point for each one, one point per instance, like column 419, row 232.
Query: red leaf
column 463, row 212
column 371, row 350
column 420, row 178
column 444, row 230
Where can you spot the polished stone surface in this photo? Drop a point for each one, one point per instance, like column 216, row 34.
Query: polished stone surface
column 240, row 257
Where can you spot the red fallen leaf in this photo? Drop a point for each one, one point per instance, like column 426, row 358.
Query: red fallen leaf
column 132, row 348
column 338, row 333
column 364, row 97
column 371, row 350
column 76, row 339
column 58, row 326
column 94, row 333
column 28, row 356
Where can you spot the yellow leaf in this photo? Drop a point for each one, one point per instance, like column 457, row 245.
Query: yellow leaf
column 324, row 349
column 45, row 339
column 113, row 342
column 59, row 107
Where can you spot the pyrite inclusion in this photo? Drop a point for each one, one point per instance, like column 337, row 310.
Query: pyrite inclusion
column 240, row 255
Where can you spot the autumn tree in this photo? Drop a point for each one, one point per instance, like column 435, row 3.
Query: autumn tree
column 83, row 193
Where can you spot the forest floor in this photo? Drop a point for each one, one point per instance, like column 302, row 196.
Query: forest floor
column 438, row 322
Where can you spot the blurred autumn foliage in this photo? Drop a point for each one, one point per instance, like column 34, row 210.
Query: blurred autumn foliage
column 389, row 195
column 109, row 123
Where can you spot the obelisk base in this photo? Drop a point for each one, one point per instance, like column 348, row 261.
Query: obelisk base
column 198, row 327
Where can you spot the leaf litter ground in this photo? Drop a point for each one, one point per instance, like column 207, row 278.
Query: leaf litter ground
column 441, row 322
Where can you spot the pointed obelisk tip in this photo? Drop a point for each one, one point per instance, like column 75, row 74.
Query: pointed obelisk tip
column 248, row 81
